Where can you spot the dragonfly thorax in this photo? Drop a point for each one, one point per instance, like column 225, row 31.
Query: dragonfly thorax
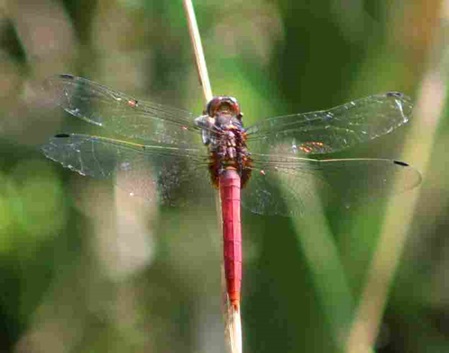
column 222, row 114
column 225, row 137
column 228, row 150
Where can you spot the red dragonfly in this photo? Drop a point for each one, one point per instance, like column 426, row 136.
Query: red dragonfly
column 162, row 155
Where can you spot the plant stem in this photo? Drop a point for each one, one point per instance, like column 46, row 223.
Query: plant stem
column 198, row 50
column 233, row 328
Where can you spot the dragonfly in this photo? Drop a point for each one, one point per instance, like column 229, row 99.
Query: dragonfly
column 161, row 151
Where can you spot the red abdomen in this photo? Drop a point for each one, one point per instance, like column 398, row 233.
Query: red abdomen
column 229, row 182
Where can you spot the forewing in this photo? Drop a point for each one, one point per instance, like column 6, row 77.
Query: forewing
column 331, row 130
column 169, row 176
column 120, row 113
column 287, row 186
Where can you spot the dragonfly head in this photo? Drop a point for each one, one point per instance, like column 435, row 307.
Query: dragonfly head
column 223, row 105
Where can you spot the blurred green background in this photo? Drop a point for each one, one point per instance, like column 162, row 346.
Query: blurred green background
column 84, row 268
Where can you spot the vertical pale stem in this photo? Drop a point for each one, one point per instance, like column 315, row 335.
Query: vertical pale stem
column 233, row 330
column 198, row 50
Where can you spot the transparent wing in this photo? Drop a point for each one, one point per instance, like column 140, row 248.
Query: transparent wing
column 171, row 176
column 118, row 112
column 288, row 185
column 332, row 130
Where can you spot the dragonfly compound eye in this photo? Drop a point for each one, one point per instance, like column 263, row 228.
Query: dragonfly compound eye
column 212, row 106
column 224, row 104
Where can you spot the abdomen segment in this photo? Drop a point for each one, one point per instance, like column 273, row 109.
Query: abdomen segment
column 229, row 182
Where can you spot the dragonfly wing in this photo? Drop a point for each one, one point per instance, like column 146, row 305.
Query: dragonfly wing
column 120, row 113
column 289, row 185
column 332, row 130
column 163, row 174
